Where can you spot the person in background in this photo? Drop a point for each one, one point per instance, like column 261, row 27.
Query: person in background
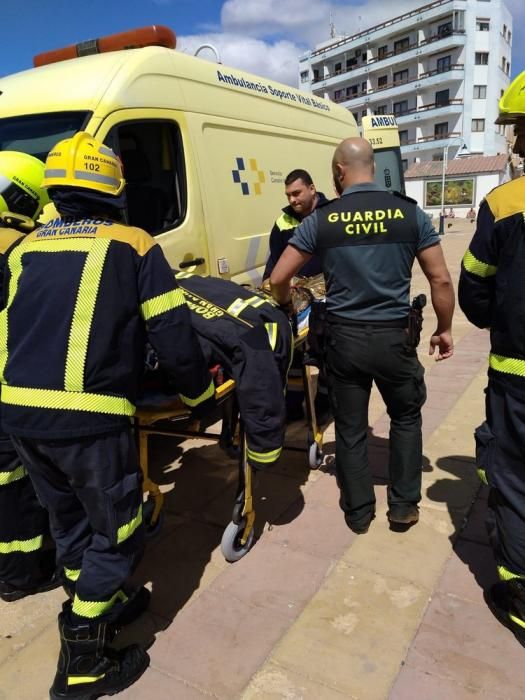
column 27, row 554
column 367, row 241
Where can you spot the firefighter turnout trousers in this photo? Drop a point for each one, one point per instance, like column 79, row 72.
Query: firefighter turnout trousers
column 92, row 488
column 357, row 355
column 24, row 564
column 500, row 456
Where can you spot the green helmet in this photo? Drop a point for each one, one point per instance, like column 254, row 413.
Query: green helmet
column 21, row 178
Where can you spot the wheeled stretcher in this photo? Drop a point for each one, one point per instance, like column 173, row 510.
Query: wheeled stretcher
column 171, row 419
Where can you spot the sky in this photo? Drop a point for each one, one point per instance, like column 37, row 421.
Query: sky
column 265, row 37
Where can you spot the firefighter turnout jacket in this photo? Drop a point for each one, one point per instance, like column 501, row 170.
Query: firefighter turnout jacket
column 82, row 296
column 252, row 340
column 492, row 282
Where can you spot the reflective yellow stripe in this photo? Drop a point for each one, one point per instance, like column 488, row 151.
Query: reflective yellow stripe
column 128, row 529
column 506, row 575
column 210, row 391
column 12, row 476
column 271, row 329
column 83, row 315
column 507, row 365
column 286, row 222
column 264, row 457
column 238, row 306
column 517, row 620
column 482, row 476
column 183, row 275
column 164, row 302
column 92, row 609
column 72, row 574
column 67, row 401
column 22, row 545
column 77, row 680
column 81, row 245
column 477, row 267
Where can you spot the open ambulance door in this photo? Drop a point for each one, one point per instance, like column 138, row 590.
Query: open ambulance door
column 382, row 133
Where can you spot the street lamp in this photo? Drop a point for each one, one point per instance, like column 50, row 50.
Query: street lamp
column 463, row 151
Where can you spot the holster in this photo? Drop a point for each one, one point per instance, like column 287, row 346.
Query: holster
column 415, row 321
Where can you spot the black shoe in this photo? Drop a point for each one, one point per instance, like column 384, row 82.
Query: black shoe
column 360, row 527
column 403, row 516
column 502, row 603
column 87, row 670
column 11, row 593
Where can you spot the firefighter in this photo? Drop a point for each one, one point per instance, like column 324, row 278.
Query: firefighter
column 367, row 241
column 492, row 295
column 85, row 292
column 27, row 557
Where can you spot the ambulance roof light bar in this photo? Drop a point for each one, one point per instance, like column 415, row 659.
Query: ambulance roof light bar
column 155, row 35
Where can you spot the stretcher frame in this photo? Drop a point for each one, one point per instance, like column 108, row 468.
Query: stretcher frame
column 170, row 420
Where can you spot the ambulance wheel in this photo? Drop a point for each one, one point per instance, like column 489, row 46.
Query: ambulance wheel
column 152, row 529
column 315, row 456
column 231, row 547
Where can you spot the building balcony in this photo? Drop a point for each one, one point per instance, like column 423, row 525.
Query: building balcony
column 435, row 110
column 434, row 142
column 416, row 51
column 395, row 90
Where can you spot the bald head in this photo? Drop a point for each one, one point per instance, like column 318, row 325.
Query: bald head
column 353, row 163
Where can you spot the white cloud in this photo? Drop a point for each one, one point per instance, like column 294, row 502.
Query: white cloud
column 276, row 60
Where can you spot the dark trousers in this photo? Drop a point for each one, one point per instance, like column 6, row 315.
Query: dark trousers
column 357, row 356
column 92, row 490
column 24, row 526
column 500, row 452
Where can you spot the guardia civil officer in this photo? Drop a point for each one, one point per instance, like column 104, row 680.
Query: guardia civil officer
column 27, row 555
column 492, row 295
column 85, row 292
column 367, row 241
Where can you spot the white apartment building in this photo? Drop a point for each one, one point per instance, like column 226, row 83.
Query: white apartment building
column 440, row 69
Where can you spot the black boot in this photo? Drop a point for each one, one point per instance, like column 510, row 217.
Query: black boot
column 86, row 669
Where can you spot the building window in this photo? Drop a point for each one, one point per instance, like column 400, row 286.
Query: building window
column 403, row 137
column 316, row 74
column 338, row 94
column 480, row 92
column 304, row 76
column 404, row 164
column 382, row 81
column 401, row 45
column 382, row 52
column 442, row 98
column 364, row 87
column 509, row 36
column 401, row 76
column 380, row 110
column 364, row 113
column 443, row 64
column 478, row 125
column 481, row 58
column 400, row 108
column 337, row 68
column 441, row 129
column 504, row 29
column 350, row 63
column 444, row 30
column 483, row 25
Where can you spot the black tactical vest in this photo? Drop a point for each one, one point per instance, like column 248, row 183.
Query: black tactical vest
column 367, row 218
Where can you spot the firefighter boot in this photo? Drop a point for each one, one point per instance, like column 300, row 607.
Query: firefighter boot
column 507, row 602
column 86, row 668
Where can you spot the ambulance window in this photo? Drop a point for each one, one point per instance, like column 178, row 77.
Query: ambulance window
column 36, row 134
column 153, row 161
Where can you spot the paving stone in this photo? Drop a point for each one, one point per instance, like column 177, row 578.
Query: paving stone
column 217, row 644
column 274, row 577
column 462, row 642
column 274, row 682
column 469, row 571
column 412, row 684
column 354, row 632
column 157, row 685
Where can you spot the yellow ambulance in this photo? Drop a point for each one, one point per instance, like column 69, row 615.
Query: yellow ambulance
column 205, row 147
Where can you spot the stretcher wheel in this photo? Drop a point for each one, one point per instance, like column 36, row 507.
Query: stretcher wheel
column 231, row 547
column 315, row 456
column 152, row 529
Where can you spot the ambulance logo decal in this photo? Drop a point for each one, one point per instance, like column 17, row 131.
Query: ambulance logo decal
column 249, row 178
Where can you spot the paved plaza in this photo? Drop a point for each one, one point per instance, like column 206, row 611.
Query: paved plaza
column 314, row 612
